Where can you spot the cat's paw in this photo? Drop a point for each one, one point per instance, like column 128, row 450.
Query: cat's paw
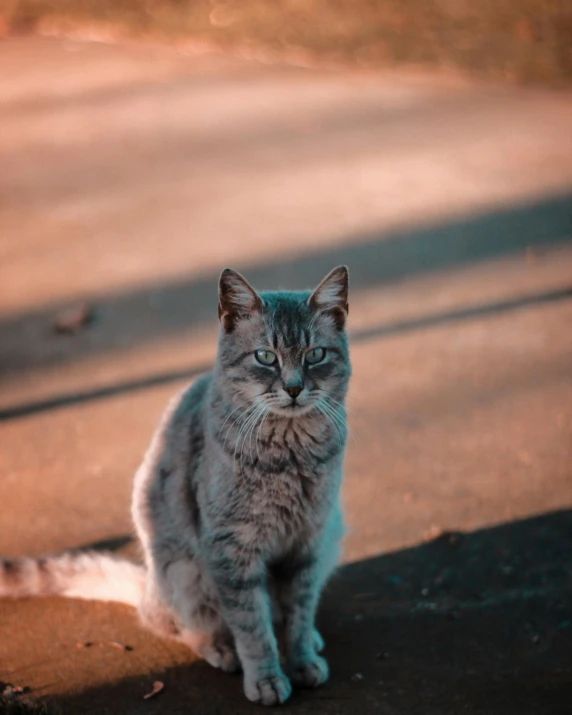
column 310, row 673
column 319, row 644
column 221, row 656
column 272, row 690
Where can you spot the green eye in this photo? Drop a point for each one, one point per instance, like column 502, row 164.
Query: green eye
column 315, row 356
column 265, row 357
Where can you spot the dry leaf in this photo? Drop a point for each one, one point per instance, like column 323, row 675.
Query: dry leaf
column 157, row 687
column 118, row 645
column 72, row 319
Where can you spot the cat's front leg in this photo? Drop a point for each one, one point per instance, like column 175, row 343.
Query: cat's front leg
column 299, row 597
column 246, row 604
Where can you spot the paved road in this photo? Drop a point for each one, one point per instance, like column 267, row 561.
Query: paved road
column 129, row 178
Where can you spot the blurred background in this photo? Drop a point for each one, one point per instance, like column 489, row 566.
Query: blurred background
column 524, row 39
column 146, row 145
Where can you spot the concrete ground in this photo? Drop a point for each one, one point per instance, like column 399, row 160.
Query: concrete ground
column 130, row 176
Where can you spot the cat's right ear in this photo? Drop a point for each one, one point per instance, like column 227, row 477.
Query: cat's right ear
column 237, row 299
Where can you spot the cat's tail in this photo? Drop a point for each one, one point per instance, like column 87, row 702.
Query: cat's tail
column 88, row 575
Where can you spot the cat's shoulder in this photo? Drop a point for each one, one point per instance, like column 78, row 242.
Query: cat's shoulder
column 187, row 404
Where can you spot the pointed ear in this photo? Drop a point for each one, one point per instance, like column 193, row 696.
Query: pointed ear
column 237, row 299
column 331, row 296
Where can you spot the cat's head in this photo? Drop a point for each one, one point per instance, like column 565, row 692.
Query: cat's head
column 286, row 351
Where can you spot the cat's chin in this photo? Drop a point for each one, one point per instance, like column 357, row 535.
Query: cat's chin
column 291, row 410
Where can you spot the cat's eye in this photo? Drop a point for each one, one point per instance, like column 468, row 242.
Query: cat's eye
column 265, row 357
column 315, row 355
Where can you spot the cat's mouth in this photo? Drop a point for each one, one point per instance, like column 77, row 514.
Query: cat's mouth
column 292, row 409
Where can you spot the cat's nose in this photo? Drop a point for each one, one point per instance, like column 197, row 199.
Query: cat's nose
column 294, row 391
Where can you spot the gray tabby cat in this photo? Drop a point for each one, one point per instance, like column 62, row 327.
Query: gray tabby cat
column 237, row 502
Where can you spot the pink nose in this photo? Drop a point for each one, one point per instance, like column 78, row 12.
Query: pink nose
column 293, row 391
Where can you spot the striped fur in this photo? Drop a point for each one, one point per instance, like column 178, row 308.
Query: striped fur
column 236, row 503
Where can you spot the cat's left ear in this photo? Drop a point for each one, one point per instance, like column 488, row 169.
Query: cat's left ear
column 237, row 299
column 331, row 296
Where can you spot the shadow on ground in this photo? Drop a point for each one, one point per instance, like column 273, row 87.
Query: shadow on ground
column 475, row 624
column 153, row 312
column 123, row 387
column 156, row 311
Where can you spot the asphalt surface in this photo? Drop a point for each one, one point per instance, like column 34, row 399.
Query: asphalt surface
column 130, row 176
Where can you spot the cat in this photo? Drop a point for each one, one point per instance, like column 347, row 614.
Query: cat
column 237, row 501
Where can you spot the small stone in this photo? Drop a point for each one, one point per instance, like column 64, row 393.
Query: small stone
column 356, row 677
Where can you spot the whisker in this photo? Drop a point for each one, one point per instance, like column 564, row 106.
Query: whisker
column 262, row 417
column 242, row 415
column 227, row 419
column 251, row 421
column 320, row 408
column 337, row 402
column 325, row 395
column 260, row 413
column 339, row 417
column 245, row 420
